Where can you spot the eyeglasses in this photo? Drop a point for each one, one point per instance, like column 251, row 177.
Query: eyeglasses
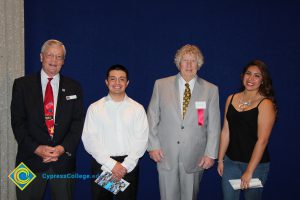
column 189, row 60
column 115, row 79
column 52, row 56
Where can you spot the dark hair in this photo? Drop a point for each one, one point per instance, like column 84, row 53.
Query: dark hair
column 117, row 67
column 266, row 88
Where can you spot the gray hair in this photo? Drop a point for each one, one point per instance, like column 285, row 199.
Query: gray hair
column 51, row 42
column 189, row 49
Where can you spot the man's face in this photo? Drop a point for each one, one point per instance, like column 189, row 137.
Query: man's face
column 188, row 66
column 117, row 82
column 52, row 59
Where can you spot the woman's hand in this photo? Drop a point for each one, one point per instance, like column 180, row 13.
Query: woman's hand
column 220, row 167
column 245, row 180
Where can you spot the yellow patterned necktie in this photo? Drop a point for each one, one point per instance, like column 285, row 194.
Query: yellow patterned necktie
column 186, row 99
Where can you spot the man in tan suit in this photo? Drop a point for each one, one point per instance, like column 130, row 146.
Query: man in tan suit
column 184, row 125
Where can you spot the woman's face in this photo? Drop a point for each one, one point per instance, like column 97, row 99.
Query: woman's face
column 252, row 78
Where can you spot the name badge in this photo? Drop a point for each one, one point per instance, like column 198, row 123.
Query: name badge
column 71, row 97
column 200, row 105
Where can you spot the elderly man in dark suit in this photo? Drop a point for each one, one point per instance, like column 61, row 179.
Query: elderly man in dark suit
column 47, row 121
column 184, row 127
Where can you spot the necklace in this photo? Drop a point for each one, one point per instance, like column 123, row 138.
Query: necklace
column 243, row 104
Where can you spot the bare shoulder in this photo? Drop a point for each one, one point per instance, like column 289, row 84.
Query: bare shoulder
column 229, row 100
column 229, row 97
column 266, row 102
column 266, row 105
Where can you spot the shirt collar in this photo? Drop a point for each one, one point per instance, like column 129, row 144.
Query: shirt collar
column 191, row 82
column 109, row 99
column 44, row 76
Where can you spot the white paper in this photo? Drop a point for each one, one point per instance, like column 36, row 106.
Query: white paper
column 254, row 183
column 200, row 105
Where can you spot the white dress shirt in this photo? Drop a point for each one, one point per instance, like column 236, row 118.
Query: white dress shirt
column 54, row 84
column 116, row 129
column 182, row 83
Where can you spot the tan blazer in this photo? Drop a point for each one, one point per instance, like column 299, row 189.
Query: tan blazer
column 178, row 137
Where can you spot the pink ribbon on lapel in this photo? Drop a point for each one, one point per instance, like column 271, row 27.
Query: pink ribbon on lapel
column 200, row 116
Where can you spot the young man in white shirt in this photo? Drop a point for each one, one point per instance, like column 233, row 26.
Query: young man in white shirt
column 115, row 134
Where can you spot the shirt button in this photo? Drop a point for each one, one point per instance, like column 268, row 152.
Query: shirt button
column 178, row 142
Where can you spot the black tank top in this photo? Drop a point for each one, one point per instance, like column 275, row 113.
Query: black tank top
column 243, row 134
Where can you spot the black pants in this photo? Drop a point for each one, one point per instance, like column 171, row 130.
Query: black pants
column 99, row 193
column 61, row 189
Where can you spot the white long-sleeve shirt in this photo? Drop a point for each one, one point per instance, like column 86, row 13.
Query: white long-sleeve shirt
column 115, row 129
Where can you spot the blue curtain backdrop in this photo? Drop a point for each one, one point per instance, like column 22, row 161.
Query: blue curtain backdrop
column 144, row 36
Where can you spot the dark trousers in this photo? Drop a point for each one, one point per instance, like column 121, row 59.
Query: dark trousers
column 61, row 189
column 100, row 193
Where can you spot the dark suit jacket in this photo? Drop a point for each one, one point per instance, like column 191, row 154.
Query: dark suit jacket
column 29, row 128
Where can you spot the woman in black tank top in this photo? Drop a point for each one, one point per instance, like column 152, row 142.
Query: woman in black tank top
column 248, row 122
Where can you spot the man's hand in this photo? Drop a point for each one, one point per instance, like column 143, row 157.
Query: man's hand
column 156, row 155
column 48, row 153
column 118, row 172
column 44, row 151
column 206, row 162
column 59, row 150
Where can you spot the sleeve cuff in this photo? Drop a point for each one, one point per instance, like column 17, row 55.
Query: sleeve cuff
column 129, row 164
column 109, row 164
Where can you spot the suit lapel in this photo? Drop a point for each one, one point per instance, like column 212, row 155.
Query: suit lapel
column 176, row 99
column 38, row 105
column 40, row 100
column 60, row 98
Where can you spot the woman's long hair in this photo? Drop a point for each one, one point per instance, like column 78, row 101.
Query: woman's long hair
column 266, row 88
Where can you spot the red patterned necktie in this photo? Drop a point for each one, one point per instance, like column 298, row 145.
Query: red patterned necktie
column 49, row 108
